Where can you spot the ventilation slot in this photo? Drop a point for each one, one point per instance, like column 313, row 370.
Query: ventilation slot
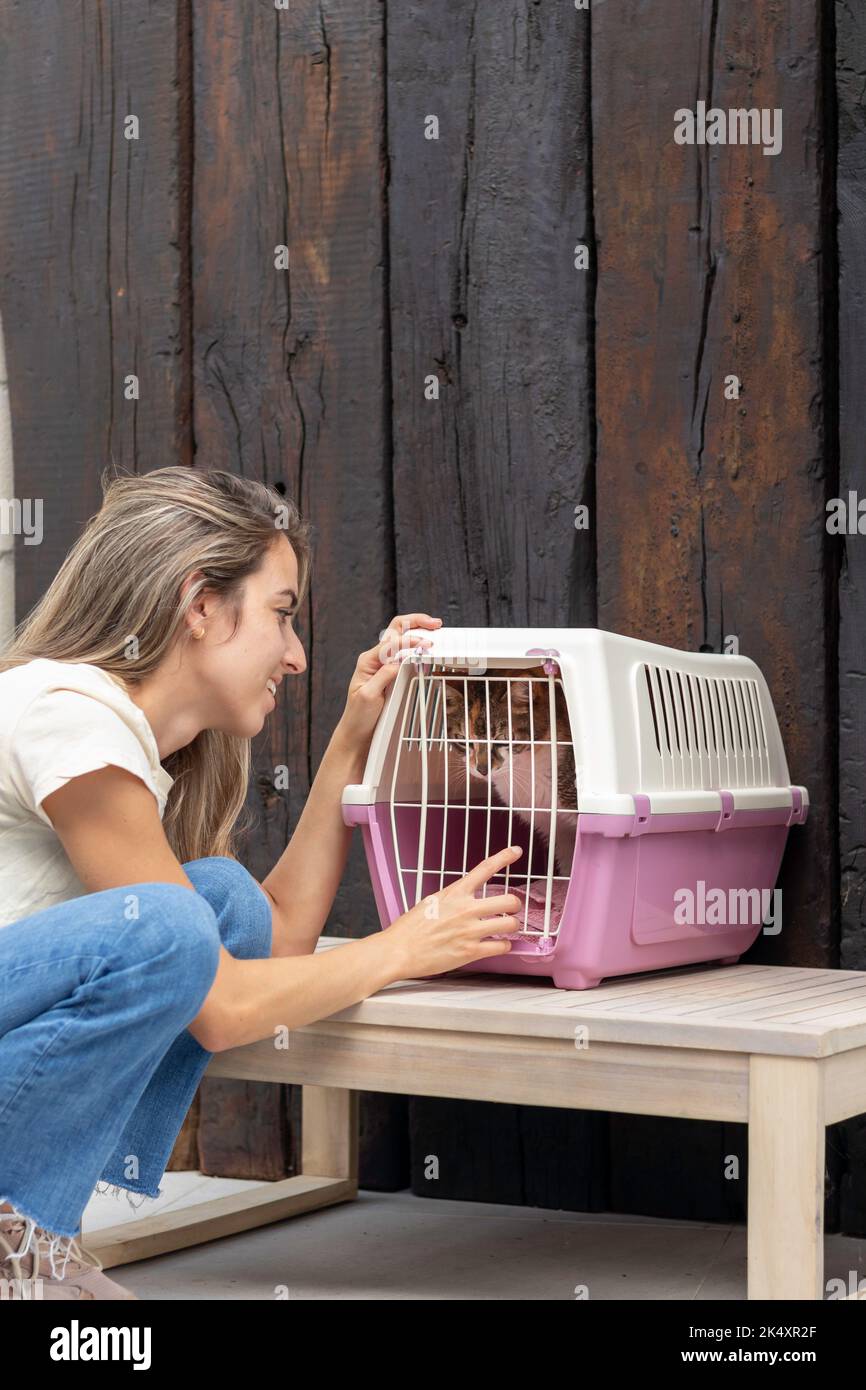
column 708, row 731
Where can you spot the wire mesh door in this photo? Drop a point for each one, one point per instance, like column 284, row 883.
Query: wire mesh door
column 482, row 762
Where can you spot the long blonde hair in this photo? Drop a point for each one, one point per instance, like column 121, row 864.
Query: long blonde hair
column 122, row 578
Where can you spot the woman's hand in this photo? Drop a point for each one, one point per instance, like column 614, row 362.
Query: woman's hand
column 375, row 671
column 452, row 927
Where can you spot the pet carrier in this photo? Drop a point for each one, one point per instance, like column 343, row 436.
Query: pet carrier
column 647, row 786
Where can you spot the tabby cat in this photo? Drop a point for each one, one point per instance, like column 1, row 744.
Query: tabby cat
column 473, row 710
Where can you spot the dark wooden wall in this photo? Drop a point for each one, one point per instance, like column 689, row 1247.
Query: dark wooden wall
column 453, row 259
column 848, row 597
column 710, row 511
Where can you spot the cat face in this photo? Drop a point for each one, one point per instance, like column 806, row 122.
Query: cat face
column 485, row 747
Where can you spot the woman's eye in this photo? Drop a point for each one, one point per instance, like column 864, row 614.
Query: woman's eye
column 284, row 613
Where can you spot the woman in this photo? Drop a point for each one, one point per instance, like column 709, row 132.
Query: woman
column 133, row 944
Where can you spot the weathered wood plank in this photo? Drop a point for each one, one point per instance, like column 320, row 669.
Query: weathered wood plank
column 290, row 365
column 94, row 279
column 486, row 301
column 243, row 1130
column 93, row 268
column 290, row 369
column 710, row 510
column 849, row 552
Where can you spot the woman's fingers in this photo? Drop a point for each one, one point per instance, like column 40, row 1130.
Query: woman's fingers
column 378, row 683
column 407, row 620
column 483, row 871
column 396, row 634
column 505, row 904
column 395, row 646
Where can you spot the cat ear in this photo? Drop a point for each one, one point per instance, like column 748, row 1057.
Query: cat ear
column 520, row 689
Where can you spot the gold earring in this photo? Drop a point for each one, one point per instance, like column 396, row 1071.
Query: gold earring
column 199, row 632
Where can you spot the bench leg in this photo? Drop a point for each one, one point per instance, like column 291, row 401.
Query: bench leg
column 329, row 1174
column 329, row 1133
column 786, row 1178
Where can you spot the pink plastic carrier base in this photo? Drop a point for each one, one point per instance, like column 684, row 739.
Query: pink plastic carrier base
column 619, row 911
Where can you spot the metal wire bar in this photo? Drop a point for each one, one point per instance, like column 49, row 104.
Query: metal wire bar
column 422, row 828
column 394, row 837
column 554, row 792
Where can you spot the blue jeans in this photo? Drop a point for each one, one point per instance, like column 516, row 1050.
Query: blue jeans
column 97, row 1067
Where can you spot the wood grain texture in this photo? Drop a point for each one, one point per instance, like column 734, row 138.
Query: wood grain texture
column 786, row 1179
column 94, row 279
column 485, row 299
column 776, row 1010
column 92, row 276
column 849, row 552
column 290, row 365
column 243, row 1130
column 710, row 510
column 290, row 387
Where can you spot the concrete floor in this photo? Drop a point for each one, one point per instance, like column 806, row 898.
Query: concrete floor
column 398, row 1246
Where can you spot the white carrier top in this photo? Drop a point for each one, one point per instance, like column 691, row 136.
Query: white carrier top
column 678, row 727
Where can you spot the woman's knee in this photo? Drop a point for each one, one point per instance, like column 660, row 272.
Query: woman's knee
column 242, row 908
column 175, row 929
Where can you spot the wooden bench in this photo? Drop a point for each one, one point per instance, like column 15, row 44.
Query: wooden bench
column 780, row 1049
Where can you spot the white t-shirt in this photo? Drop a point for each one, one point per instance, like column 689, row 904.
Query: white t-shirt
column 58, row 720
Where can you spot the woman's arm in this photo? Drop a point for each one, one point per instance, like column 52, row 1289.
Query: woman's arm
column 304, row 881
column 108, row 823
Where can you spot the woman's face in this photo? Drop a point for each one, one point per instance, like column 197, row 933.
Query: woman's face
column 233, row 672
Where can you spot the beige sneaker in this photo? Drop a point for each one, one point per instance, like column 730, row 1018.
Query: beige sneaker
column 29, row 1259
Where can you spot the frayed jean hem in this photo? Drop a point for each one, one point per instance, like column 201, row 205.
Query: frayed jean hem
column 31, row 1217
column 104, row 1188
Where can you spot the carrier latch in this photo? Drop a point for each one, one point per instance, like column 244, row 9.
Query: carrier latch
column 642, row 814
column 796, row 817
column 726, row 815
column 549, row 654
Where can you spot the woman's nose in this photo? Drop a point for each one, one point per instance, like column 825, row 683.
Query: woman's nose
column 296, row 658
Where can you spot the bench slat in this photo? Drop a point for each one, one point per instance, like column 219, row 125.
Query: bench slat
column 773, row 1010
